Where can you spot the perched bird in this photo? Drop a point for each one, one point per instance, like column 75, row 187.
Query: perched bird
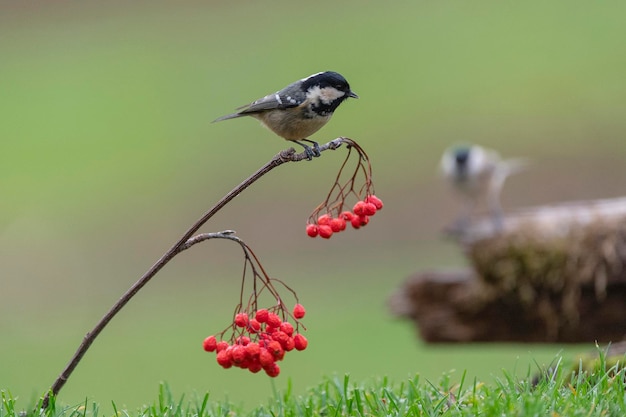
column 300, row 109
column 478, row 174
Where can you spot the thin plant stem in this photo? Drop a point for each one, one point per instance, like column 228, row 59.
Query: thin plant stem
column 288, row 155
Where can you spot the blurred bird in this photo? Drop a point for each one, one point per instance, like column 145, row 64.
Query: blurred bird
column 478, row 174
column 300, row 109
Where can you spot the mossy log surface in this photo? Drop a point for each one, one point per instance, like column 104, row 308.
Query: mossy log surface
column 548, row 274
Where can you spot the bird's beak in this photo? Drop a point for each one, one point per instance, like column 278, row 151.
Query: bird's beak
column 352, row 94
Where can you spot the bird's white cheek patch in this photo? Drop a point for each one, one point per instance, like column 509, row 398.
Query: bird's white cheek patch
column 313, row 96
column 326, row 95
column 330, row 94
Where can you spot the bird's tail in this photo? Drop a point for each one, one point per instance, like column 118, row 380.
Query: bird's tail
column 228, row 116
column 514, row 165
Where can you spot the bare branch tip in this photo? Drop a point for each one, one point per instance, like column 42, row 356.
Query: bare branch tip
column 336, row 143
column 287, row 155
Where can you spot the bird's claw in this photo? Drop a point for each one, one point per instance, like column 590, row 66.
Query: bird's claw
column 311, row 152
column 316, row 150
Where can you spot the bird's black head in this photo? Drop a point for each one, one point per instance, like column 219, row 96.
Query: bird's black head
column 461, row 158
column 327, row 90
column 461, row 155
column 328, row 79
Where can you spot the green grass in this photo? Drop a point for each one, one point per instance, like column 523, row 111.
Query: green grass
column 560, row 392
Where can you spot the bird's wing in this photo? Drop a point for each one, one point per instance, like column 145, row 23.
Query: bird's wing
column 269, row 102
column 272, row 101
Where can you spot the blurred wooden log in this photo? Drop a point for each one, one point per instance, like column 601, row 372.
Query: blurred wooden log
column 549, row 274
column 455, row 306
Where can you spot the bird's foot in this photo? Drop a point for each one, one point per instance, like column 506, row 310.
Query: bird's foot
column 311, row 152
column 316, row 150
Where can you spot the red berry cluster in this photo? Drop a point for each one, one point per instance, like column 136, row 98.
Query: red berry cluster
column 264, row 341
column 358, row 217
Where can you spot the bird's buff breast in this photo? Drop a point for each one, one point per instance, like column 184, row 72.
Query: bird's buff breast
column 291, row 124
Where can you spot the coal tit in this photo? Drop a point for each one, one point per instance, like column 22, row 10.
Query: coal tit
column 478, row 174
column 300, row 109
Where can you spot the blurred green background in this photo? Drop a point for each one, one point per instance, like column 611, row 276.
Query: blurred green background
column 107, row 155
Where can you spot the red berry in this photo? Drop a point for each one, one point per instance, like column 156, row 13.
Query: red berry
column 210, row 343
column 238, row 354
column 299, row 311
column 241, row 320
column 254, row 325
column 287, row 328
column 273, row 320
column 273, row 370
column 358, row 208
column 262, row 315
column 266, row 358
column 369, row 209
column 252, row 350
column 311, row 230
column 276, row 349
column 223, row 345
column 282, row 338
column 243, row 340
column 255, row 367
column 325, row 231
column 338, row 224
column 355, row 222
column 224, row 359
column 359, row 221
column 324, row 219
column 300, row 342
column 346, row 215
column 374, row 200
column 289, row 344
